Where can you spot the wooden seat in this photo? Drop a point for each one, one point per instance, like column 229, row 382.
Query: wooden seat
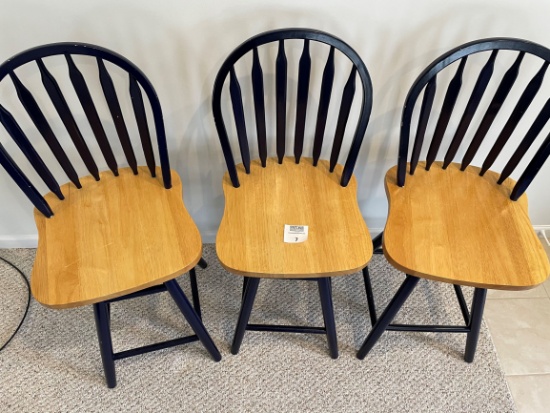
column 250, row 237
column 465, row 235
column 98, row 245
column 109, row 235
column 264, row 195
column 455, row 222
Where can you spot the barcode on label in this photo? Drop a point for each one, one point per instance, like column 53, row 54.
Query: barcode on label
column 297, row 228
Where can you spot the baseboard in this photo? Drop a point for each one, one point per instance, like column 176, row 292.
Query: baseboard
column 19, row 241
column 208, row 237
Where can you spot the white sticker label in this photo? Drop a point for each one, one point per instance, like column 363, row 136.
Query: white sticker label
column 295, row 233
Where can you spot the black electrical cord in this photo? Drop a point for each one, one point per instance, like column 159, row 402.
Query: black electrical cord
column 28, row 301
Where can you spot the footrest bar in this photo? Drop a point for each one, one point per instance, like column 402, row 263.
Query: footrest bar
column 428, row 328
column 154, row 347
column 286, row 329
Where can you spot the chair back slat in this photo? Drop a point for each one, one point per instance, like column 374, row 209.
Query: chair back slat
column 238, row 112
column 526, row 142
column 343, row 116
column 143, row 125
column 30, row 153
column 39, row 120
column 23, row 183
column 62, row 108
column 506, row 84
column 304, row 74
column 304, row 87
column 83, row 94
column 425, row 110
column 116, row 114
column 324, row 102
column 281, row 82
column 473, row 102
column 521, row 107
column 531, row 170
column 446, row 111
column 259, row 105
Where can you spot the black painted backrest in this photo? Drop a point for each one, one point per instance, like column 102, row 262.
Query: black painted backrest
column 426, row 82
column 137, row 81
column 303, row 91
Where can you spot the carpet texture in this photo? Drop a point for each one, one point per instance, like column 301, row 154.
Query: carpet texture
column 53, row 364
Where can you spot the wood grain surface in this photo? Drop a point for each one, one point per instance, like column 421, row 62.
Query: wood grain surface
column 458, row 227
column 112, row 237
column 250, row 238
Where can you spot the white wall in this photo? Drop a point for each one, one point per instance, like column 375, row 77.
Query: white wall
column 181, row 44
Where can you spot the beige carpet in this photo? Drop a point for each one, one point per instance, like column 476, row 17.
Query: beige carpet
column 53, row 364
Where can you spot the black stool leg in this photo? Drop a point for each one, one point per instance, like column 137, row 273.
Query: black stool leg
column 101, row 313
column 245, row 281
column 377, row 241
column 192, row 318
column 325, row 292
column 202, row 263
column 388, row 315
column 370, row 296
column 244, row 315
column 195, row 292
column 476, row 315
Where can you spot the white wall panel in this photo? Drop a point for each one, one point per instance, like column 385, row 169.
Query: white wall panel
column 181, row 44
